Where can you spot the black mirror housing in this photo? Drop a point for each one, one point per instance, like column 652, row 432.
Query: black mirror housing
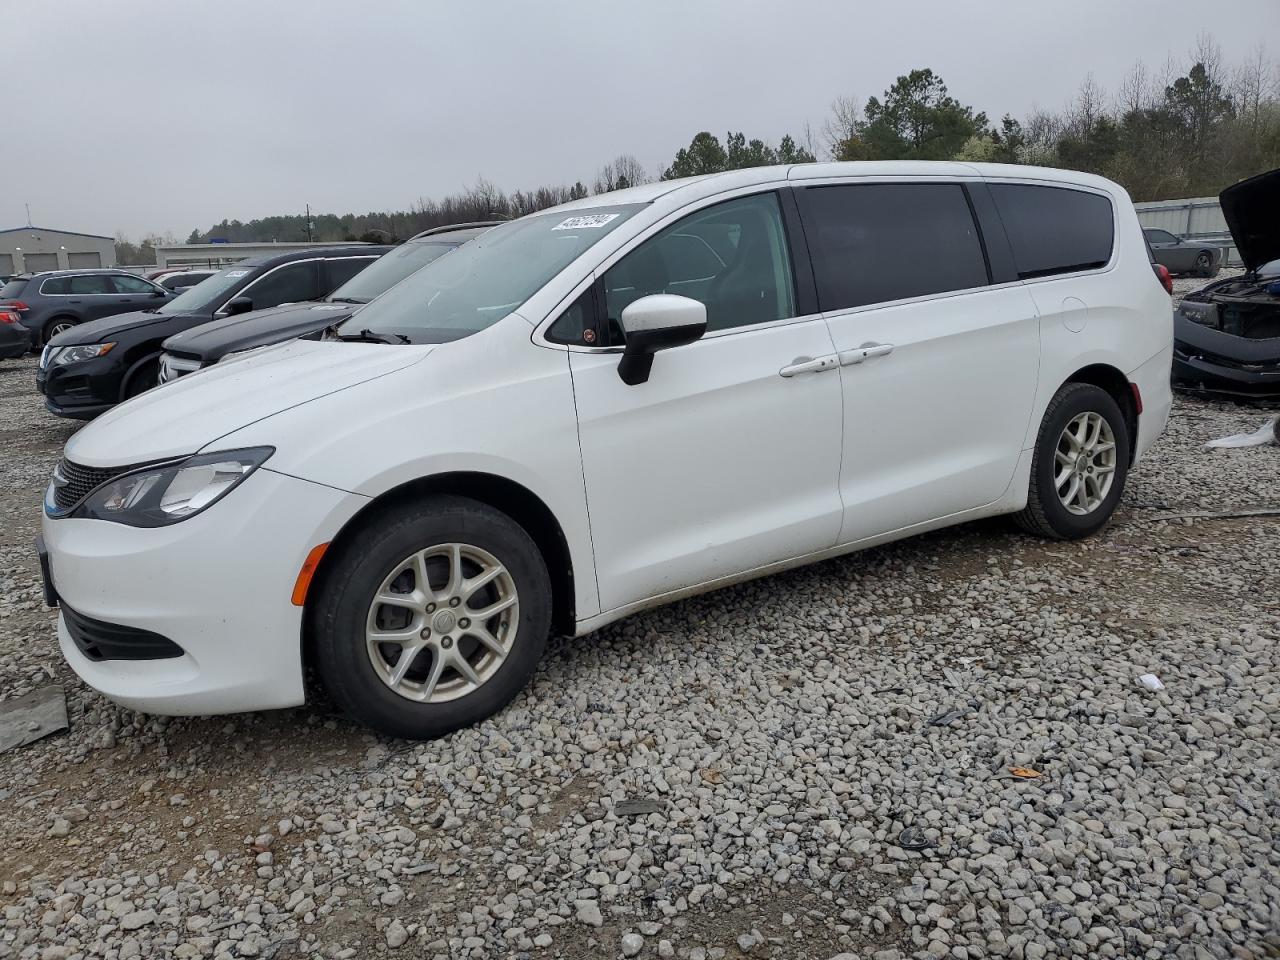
column 238, row 305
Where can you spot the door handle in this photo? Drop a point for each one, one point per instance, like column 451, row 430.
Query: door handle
column 807, row 365
column 865, row 352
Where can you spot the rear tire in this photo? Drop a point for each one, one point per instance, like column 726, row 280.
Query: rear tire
column 453, row 678
column 1204, row 264
column 1079, row 466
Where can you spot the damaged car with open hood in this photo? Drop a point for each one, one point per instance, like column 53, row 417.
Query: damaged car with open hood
column 1227, row 335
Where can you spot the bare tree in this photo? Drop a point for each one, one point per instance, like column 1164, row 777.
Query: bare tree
column 842, row 125
column 624, row 171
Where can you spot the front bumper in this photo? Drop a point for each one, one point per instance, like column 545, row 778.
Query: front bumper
column 15, row 341
column 218, row 585
column 1206, row 360
column 1211, row 375
column 80, row 391
column 172, row 367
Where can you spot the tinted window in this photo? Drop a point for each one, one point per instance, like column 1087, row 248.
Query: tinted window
column 210, row 293
column 126, row 284
column 340, row 271
column 289, row 284
column 1055, row 229
column 577, row 324
column 875, row 242
column 13, row 289
column 56, row 286
column 748, row 282
column 91, row 283
column 1160, row 236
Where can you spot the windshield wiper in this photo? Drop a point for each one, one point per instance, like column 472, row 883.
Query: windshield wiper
column 368, row 336
column 355, row 300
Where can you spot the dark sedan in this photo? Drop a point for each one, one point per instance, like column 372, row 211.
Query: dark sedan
column 89, row 369
column 1184, row 256
column 211, row 342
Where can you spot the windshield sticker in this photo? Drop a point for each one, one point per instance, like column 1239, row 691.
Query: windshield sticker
column 593, row 222
column 237, row 274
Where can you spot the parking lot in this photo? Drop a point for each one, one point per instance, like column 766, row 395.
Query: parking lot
column 813, row 764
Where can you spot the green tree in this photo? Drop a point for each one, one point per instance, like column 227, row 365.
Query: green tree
column 916, row 120
column 703, row 155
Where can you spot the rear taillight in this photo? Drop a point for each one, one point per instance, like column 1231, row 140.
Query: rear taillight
column 8, row 316
column 14, row 305
column 1166, row 278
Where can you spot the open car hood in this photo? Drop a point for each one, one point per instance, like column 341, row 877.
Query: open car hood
column 1252, row 210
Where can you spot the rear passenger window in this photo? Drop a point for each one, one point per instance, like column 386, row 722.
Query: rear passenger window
column 293, row 283
column 91, row 283
column 340, row 271
column 876, row 242
column 54, row 287
column 1055, row 229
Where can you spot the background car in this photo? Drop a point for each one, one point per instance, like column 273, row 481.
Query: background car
column 1184, row 256
column 15, row 339
column 179, row 280
column 54, row 301
column 211, row 342
column 87, row 370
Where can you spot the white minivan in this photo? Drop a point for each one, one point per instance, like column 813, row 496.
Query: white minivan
column 603, row 407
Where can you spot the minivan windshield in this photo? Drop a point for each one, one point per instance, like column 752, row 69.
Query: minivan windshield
column 389, row 269
column 485, row 279
column 207, row 295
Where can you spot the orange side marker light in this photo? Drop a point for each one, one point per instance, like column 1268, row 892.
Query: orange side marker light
column 309, row 565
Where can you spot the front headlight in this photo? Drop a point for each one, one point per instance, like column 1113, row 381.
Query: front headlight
column 160, row 496
column 1199, row 312
column 88, row 351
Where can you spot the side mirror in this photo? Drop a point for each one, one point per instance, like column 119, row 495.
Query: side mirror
column 156, row 294
column 653, row 323
column 238, row 305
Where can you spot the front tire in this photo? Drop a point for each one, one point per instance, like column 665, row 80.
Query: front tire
column 1079, row 466
column 454, row 586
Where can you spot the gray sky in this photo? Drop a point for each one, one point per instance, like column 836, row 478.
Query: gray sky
column 136, row 116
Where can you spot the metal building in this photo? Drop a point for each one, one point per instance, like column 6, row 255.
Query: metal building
column 28, row 249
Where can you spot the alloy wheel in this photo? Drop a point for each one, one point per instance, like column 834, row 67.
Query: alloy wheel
column 442, row 623
column 1085, row 463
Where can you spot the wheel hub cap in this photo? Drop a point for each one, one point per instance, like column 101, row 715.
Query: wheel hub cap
column 1085, row 463
column 442, row 623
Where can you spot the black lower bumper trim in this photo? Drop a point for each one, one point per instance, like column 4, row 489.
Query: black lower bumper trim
column 111, row 641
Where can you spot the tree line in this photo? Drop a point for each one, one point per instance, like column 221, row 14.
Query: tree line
column 1180, row 131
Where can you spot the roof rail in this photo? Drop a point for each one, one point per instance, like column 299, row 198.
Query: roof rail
column 445, row 228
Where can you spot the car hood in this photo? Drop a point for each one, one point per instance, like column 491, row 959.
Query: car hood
column 100, row 331
column 212, row 341
column 185, row 415
column 1252, row 211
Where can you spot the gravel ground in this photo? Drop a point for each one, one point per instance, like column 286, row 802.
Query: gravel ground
column 747, row 773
